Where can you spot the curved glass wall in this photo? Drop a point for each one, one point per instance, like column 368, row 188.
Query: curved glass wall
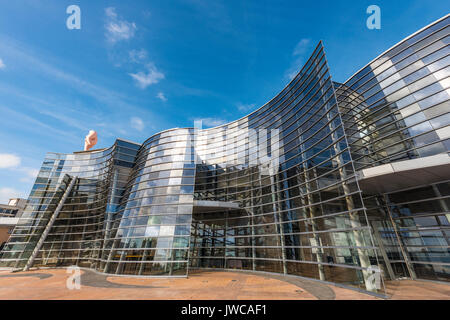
column 398, row 108
column 288, row 166
column 278, row 190
column 153, row 225
column 78, row 233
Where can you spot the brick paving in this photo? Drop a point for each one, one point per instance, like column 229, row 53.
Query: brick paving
column 417, row 290
column 50, row 284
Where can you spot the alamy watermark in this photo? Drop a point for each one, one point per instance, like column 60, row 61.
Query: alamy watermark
column 74, row 280
column 374, row 20
column 262, row 147
column 74, row 20
column 374, row 278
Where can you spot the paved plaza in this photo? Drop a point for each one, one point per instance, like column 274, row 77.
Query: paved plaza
column 50, row 284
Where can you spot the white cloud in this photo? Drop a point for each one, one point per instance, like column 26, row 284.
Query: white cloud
column 299, row 51
column 8, row 193
column 117, row 29
column 2, row 64
column 137, row 123
column 150, row 76
column 110, row 12
column 144, row 79
column 100, row 93
column 301, row 47
column 37, row 125
column 12, row 162
column 8, row 160
column 245, row 107
column 161, row 96
column 211, row 122
column 30, row 174
column 34, row 61
column 291, row 74
column 138, row 56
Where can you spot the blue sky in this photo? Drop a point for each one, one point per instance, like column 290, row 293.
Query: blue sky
column 133, row 70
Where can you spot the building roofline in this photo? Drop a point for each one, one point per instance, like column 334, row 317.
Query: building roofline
column 88, row 151
column 396, row 45
column 320, row 43
column 129, row 141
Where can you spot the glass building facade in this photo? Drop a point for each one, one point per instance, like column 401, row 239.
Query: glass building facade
column 298, row 187
column 395, row 110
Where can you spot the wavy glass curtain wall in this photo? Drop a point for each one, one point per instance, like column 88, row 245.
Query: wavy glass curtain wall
column 304, row 218
column 397, row 108
column 77, row 235
column 328, row 181
column 155, row 219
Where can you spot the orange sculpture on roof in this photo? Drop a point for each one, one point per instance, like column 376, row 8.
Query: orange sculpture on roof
column 90, row 140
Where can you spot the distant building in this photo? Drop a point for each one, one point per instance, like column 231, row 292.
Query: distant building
column 13, row 209
column 9, row 216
